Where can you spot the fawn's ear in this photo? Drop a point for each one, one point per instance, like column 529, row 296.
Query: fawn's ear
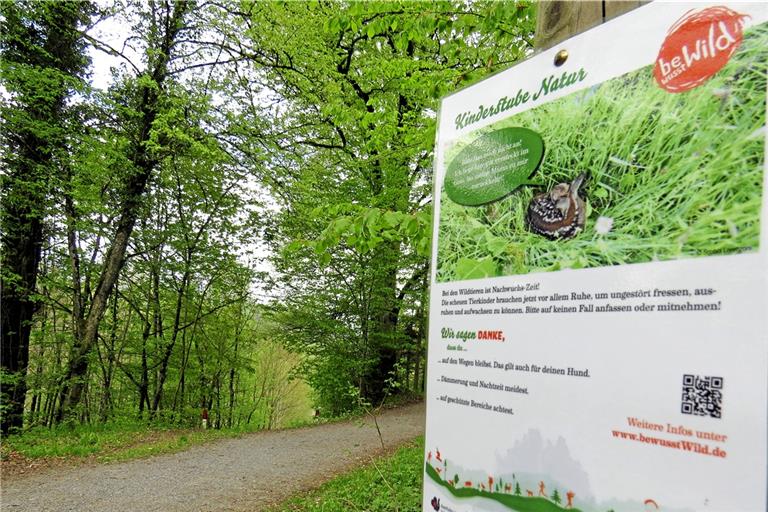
column 577, row 183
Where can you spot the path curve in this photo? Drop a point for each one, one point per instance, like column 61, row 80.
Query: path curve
column 244, row 474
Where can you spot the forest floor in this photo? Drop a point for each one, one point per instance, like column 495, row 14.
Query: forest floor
column 245, row 474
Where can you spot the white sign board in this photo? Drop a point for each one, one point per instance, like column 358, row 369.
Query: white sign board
column 599, row 295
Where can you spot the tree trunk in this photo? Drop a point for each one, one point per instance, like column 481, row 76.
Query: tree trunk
column 232, row 374
column 107, row 367
column 144, row 163
column 383, row 320
column 168, row 352
column 30, row 161
column 37, row 395
column 21, row 255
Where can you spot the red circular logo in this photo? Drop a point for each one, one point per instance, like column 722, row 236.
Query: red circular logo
column 697, row 46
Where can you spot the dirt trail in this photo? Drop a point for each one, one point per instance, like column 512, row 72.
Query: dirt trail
column 243, row 474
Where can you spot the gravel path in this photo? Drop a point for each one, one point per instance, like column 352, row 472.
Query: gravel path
column 243, row 474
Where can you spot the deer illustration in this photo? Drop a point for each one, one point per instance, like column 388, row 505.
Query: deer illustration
column 530, row 493
column 507, row 487
column 468, row 483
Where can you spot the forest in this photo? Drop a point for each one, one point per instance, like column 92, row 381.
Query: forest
column 236, row 215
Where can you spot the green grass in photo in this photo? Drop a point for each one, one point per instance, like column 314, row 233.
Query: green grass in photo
column 679, row 175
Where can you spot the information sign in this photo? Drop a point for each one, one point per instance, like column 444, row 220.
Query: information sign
column 599, row 295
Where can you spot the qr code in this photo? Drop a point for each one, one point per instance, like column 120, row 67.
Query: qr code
column 702, row 396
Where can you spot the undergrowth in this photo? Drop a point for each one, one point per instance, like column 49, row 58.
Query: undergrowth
column 108, row 442
column 389, row 484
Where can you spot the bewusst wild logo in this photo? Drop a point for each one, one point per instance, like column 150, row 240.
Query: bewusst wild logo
column 697, row 46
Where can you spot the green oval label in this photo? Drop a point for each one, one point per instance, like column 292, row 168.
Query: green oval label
column 493, row 166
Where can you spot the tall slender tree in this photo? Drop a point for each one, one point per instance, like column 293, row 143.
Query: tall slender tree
column 166, row 23
column 42, row 61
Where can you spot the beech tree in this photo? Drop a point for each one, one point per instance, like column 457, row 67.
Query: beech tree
column 353, row 91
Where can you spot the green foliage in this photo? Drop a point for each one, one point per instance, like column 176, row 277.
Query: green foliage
column 388, row 484
column 359, row 85
column 75, row 441
column 42, row 61
column 309, row 126
column 365, row 231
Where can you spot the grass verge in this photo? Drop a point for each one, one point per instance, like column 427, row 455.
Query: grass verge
column 389, row 484
column 101, row 443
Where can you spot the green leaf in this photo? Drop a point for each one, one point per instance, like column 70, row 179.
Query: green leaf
column 392, row 219
column 370, row 220
column 496, row 245
column 423, row 246
column 627, row 180
column 469, row 268
column 341, row 225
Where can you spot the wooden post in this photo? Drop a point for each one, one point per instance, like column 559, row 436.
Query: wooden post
column 558, row 20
